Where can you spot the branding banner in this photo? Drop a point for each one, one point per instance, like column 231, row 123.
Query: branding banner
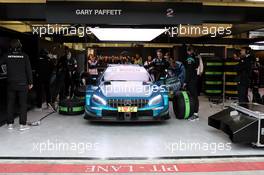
column 124, row 13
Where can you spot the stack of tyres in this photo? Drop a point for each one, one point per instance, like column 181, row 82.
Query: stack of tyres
column 213, row 77
column 71, row 107
column 183, row 105
column 231, row 78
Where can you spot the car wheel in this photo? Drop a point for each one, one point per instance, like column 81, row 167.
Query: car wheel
column 71, row 107
column 263, row 99
column 183, row 105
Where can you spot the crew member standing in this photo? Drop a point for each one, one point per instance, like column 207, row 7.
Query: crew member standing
column 191, row 64
column 19, row 78
column 92, row 67
column 61, row 72
column 44, row 73
column 159, row 66
column 148, row 62
column 255, row 81
column 244, row 72
column 72, row 75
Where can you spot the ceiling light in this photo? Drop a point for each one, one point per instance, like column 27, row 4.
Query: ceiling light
column 255, row 0
column 126, row 34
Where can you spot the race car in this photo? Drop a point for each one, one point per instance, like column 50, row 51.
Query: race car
column 126, row 93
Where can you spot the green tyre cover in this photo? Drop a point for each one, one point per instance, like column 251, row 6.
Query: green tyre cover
column 71, row 107
column 183, row 105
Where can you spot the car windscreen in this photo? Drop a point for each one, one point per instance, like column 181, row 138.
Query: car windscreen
column 126, row 74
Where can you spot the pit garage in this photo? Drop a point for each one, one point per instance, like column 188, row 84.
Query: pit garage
column 122, row 36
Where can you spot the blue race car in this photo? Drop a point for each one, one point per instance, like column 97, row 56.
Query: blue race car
column 126, row 93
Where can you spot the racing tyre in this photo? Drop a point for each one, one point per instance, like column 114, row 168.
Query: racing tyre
column 263, row 99
column 71, row 107
column 80, row 93
column 183, row 105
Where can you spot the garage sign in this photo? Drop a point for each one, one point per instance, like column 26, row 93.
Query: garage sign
column 124, row 13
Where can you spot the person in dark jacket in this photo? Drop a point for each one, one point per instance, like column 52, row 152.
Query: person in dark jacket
column 44, row 72
column 244, row 73
column 19, row 78
column 176, row 71
column 148, row 62
column 191, row 64
column 71, row 74
column 159, row 66
column 61, row 71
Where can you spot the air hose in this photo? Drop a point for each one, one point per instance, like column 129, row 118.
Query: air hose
column 37, row 123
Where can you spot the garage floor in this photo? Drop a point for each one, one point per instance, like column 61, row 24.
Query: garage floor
column 72, row 136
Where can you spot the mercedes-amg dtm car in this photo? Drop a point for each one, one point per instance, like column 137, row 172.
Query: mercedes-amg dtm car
column 126, row 93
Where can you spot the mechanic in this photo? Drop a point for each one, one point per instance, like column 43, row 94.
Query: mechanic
column 244, row 73
column 71, row 75
column 191, row 64
column 236, row 55
column 138, row 60
column 92, row 69
column 92, row 65
column 255, row 81
column 159, row 66
column 44, row 73
column 61, row 71
column 168, row 57
column 19, row 78
column 176, row 70
column 148, row 62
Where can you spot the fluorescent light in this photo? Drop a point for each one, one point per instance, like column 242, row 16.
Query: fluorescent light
column 255, row 0
column 126, row 34
column 257, row 45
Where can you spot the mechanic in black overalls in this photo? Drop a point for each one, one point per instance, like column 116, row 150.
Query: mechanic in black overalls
column 19, row 78
column 61, row 71
column 159, row 66
column 175, row 77
column 71, row 75
column 255, row 81
column 177, row 69
column 244, row 73
column 148, row 62
column 191, row 64
column 44, row 72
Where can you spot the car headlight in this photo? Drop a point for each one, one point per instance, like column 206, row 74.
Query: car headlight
column 99, row 100
column 155, row 100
